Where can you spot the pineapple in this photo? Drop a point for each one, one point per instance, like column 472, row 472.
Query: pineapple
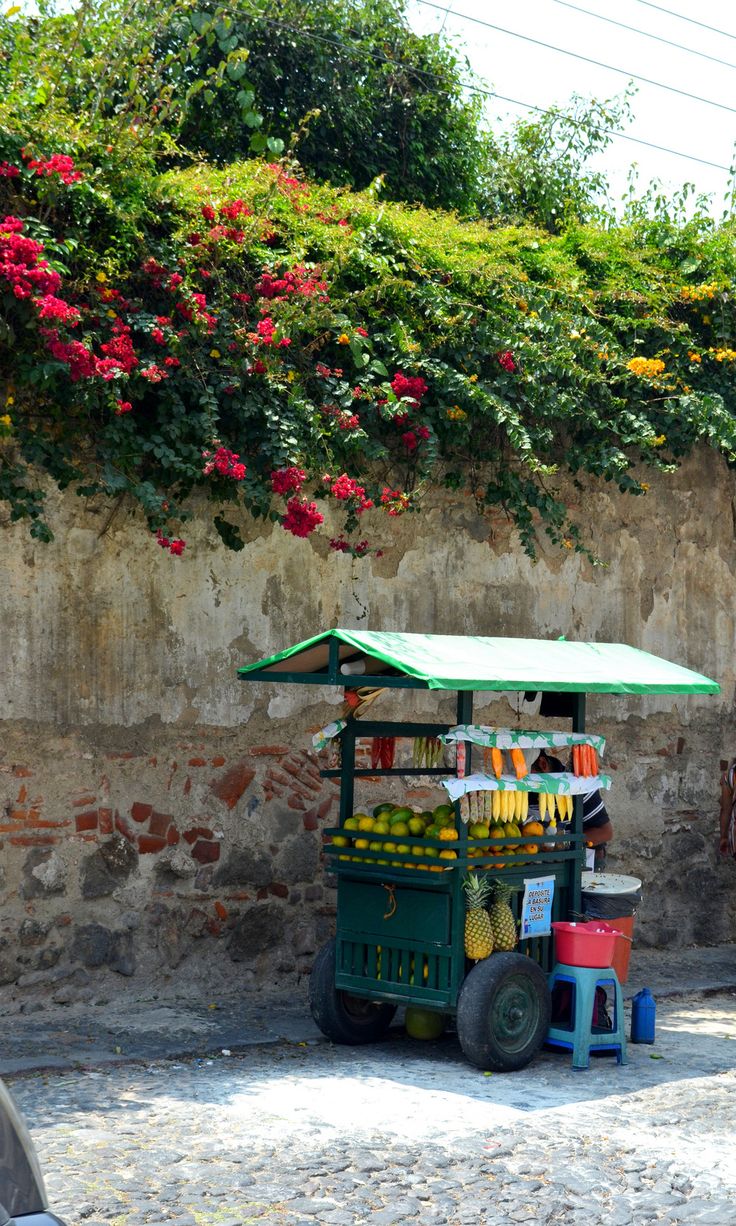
column 478, row 937
column 503, row 924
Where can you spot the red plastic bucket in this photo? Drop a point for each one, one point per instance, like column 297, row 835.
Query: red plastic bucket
column 587, row 944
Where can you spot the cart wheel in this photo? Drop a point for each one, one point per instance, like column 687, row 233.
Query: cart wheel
column 503, row 1012
column 342, row 1017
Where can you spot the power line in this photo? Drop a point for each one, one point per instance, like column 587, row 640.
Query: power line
column 721, row 106
column 691, row 20
column 360, row 52
column 611, row 21
column 690, row 157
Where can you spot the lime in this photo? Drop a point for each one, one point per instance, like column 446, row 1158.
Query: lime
column 402, row 815
column 416, row 826
column 424, row 1023
column 385, row 807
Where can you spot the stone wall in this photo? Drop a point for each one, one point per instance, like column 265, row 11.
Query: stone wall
column 160, row 820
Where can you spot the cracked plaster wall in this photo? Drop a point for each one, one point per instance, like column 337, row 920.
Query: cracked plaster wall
column 156, row 812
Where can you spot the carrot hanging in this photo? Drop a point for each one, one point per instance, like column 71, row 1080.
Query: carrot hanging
column 497, row 761
column 594, row 760
column 518, row 762
column 576, row 760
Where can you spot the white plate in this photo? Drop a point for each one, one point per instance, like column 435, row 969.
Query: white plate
column 609, row 883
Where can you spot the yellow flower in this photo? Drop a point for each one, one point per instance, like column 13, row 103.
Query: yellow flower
column 567, row 543
column 695, row 357
column 215, row 353
column 111, row 314
column 646, row 368
column 472, row 378
column 644, row 485
column 101, row 276
column 725, row 355
column 10, row 400
column 534, row 314
column 5, row 420
column 291, row 376
column 456, row 413
column 343, row 339
column 659, row 441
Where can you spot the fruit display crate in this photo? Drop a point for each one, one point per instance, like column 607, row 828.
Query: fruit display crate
column 402, row 941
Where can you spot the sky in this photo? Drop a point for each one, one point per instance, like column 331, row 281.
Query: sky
column 519, row 69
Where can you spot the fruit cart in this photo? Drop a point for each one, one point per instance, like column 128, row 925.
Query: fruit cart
column 404, row 903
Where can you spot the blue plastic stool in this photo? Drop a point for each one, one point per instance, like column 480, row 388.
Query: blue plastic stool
column 581, row 1037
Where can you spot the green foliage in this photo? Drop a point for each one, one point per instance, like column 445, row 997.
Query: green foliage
column 381, row 99
column 539, row 170
column 281, row 346
column 292, row 328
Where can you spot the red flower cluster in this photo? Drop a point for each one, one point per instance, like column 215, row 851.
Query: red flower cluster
column 506, row 360
column 175, row 547
column 340, row 545
column 7, row 171
column 124, row 406
column 57, row 309
column 235, row 209
column 395, row 501
column 224, row 462
column 231, row 211
column 58, row 164
column 264, row 334
column 119, row 353
column 301, row 517
column 154, row 373
column 406, row 387
column 20, row 263
column 346, row 489
column 297, row 280
column 80, row 360
column 284, row 480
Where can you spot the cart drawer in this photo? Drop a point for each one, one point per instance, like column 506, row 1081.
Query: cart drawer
column 393, row 912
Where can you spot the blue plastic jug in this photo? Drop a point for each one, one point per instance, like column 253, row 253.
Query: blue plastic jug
column 643, row 1015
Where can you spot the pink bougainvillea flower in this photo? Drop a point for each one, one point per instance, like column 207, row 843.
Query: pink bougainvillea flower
column 302, row 517
column 286, row 480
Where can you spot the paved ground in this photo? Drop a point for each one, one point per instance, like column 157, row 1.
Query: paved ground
column 291, row 1130
column 292, row 1134
column 160, row 1027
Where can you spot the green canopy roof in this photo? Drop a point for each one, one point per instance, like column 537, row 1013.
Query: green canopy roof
column 471, row 662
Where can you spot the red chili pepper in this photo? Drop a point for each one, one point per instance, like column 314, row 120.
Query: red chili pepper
column 375, row 751
column 388, row 749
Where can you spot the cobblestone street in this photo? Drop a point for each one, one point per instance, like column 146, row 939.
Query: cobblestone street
column 305, row 1132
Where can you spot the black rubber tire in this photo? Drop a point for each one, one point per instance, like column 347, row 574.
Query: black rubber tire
column 503, row 1012
column 342, row 1017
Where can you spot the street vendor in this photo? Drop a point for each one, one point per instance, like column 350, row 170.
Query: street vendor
column 597, row 827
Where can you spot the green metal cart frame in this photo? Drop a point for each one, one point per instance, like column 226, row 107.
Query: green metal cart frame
column 400, row 931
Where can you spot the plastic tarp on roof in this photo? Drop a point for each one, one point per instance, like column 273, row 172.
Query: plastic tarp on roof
column 455, row 662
